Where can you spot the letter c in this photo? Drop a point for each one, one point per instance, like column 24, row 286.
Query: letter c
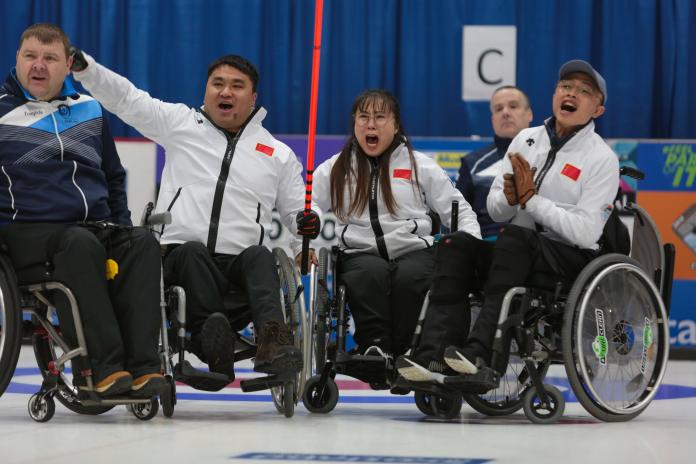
column 480, row 66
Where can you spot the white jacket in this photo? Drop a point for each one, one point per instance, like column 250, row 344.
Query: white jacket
column 577, row 192
column 263, row 173
column 410, row 228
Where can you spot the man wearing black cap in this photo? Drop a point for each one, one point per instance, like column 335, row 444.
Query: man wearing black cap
column 556, row 186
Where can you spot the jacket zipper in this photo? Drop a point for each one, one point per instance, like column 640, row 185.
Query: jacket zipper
column 374, row 214
column 222, row 180
column 74, row 180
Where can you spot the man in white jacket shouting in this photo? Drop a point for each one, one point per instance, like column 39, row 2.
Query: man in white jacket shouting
column 223, row 176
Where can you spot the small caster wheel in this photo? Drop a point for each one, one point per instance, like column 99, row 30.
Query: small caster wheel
column 145, row 411
column 41, row 407
column 318, row 398
column 540, row 412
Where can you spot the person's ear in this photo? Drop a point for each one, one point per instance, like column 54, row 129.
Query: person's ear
column 598, row 111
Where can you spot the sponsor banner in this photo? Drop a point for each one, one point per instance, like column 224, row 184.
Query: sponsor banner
column 668, row 166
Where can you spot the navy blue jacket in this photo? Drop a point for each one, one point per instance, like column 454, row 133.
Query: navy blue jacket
column 476, row 176
column 58, row 160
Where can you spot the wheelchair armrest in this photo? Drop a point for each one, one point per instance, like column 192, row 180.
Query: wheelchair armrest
column 159, row 219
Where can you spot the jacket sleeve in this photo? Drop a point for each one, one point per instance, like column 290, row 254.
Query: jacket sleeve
column 465, row 182
column 498, row 208
column 290, row 198
column 440, row 193
column 115, row 178
column 582, row 224
column 321, row 187
column 151, row 117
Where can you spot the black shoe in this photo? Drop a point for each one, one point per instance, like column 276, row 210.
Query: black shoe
column 276, row 352
column 217, row 344
column 461, row 361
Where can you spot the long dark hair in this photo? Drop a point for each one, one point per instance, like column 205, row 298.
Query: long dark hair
column 344, row 171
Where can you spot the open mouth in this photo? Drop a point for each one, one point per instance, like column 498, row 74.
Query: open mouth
column 225, row 106
column 569, row 107
column 371, row 140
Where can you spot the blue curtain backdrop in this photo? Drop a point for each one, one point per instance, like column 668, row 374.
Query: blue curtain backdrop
column 644, row 48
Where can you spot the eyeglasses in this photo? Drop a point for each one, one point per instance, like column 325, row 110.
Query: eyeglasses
column 380, row 119
column 576, row 88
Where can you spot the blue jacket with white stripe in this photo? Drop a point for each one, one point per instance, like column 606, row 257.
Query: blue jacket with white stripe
column 58, row 160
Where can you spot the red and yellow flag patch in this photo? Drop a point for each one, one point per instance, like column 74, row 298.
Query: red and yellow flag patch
column 571, row 171
column 402, row 174
column 265, row 149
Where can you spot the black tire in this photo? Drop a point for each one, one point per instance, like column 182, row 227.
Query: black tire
column 318, row 399
column 168, row 397
column 66, row 393
column 438, row 406
column 293, row 307
column 41, row 407
column 10, row 323
column 289, row 399
column 540, row 413
column 615, row 375
column 321, row 314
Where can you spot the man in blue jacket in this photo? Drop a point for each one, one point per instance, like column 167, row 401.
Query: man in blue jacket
column 510, row 113
column 63, row 214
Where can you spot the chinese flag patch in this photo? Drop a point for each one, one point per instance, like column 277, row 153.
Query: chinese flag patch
column 265, row 149
column 570, row 171
column 402, row 174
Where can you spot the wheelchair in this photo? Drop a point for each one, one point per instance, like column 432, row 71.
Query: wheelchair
column 285, row 389
column 51, row 350
column 608, row 328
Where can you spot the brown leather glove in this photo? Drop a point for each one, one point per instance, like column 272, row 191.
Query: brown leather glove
column 509, row 189
column 524, row 178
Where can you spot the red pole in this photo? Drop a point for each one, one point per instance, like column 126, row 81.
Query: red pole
column 314, row 95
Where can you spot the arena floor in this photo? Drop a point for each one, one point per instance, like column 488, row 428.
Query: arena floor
column 366, row 426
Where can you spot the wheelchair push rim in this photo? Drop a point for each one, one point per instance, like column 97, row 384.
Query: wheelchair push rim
column 615, row 338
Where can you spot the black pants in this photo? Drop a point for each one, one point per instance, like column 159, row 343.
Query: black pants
column 208, row 279
column 385, row 297
column 461, row 267
column 518, row 253
column 120, row 317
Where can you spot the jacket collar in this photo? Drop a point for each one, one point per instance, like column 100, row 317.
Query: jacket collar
column 254, row 119
column 12, row 84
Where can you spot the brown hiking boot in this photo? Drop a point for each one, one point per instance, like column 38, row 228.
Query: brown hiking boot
column 117, row 383
column 148, row 385
column 275, row 351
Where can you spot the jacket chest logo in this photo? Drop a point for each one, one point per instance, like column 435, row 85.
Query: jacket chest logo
column 265, row 149
column 402, row 174
column 571, row 171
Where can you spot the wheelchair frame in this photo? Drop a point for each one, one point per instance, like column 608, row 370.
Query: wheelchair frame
column 51, row 350
column 285, row 390
column 528, row 318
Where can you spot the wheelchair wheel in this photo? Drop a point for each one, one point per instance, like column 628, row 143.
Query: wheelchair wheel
column 322, row 316
column 506, row 399
column 292, row 301
column 320, row 400
column 10, row 324
column 615, row 338
column 41, row 407
column 543, row 412
column 438, row 406
column 67, row 394
column 284, row 398
column 145, row 411
column 168, row 397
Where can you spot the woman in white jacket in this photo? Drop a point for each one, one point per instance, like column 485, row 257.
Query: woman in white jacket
column 381, row 191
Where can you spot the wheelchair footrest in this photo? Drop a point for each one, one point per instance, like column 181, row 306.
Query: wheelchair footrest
column 369, row 369
column 266, row 383
column 200, row 380
column 436, row 389
column 484, row 380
